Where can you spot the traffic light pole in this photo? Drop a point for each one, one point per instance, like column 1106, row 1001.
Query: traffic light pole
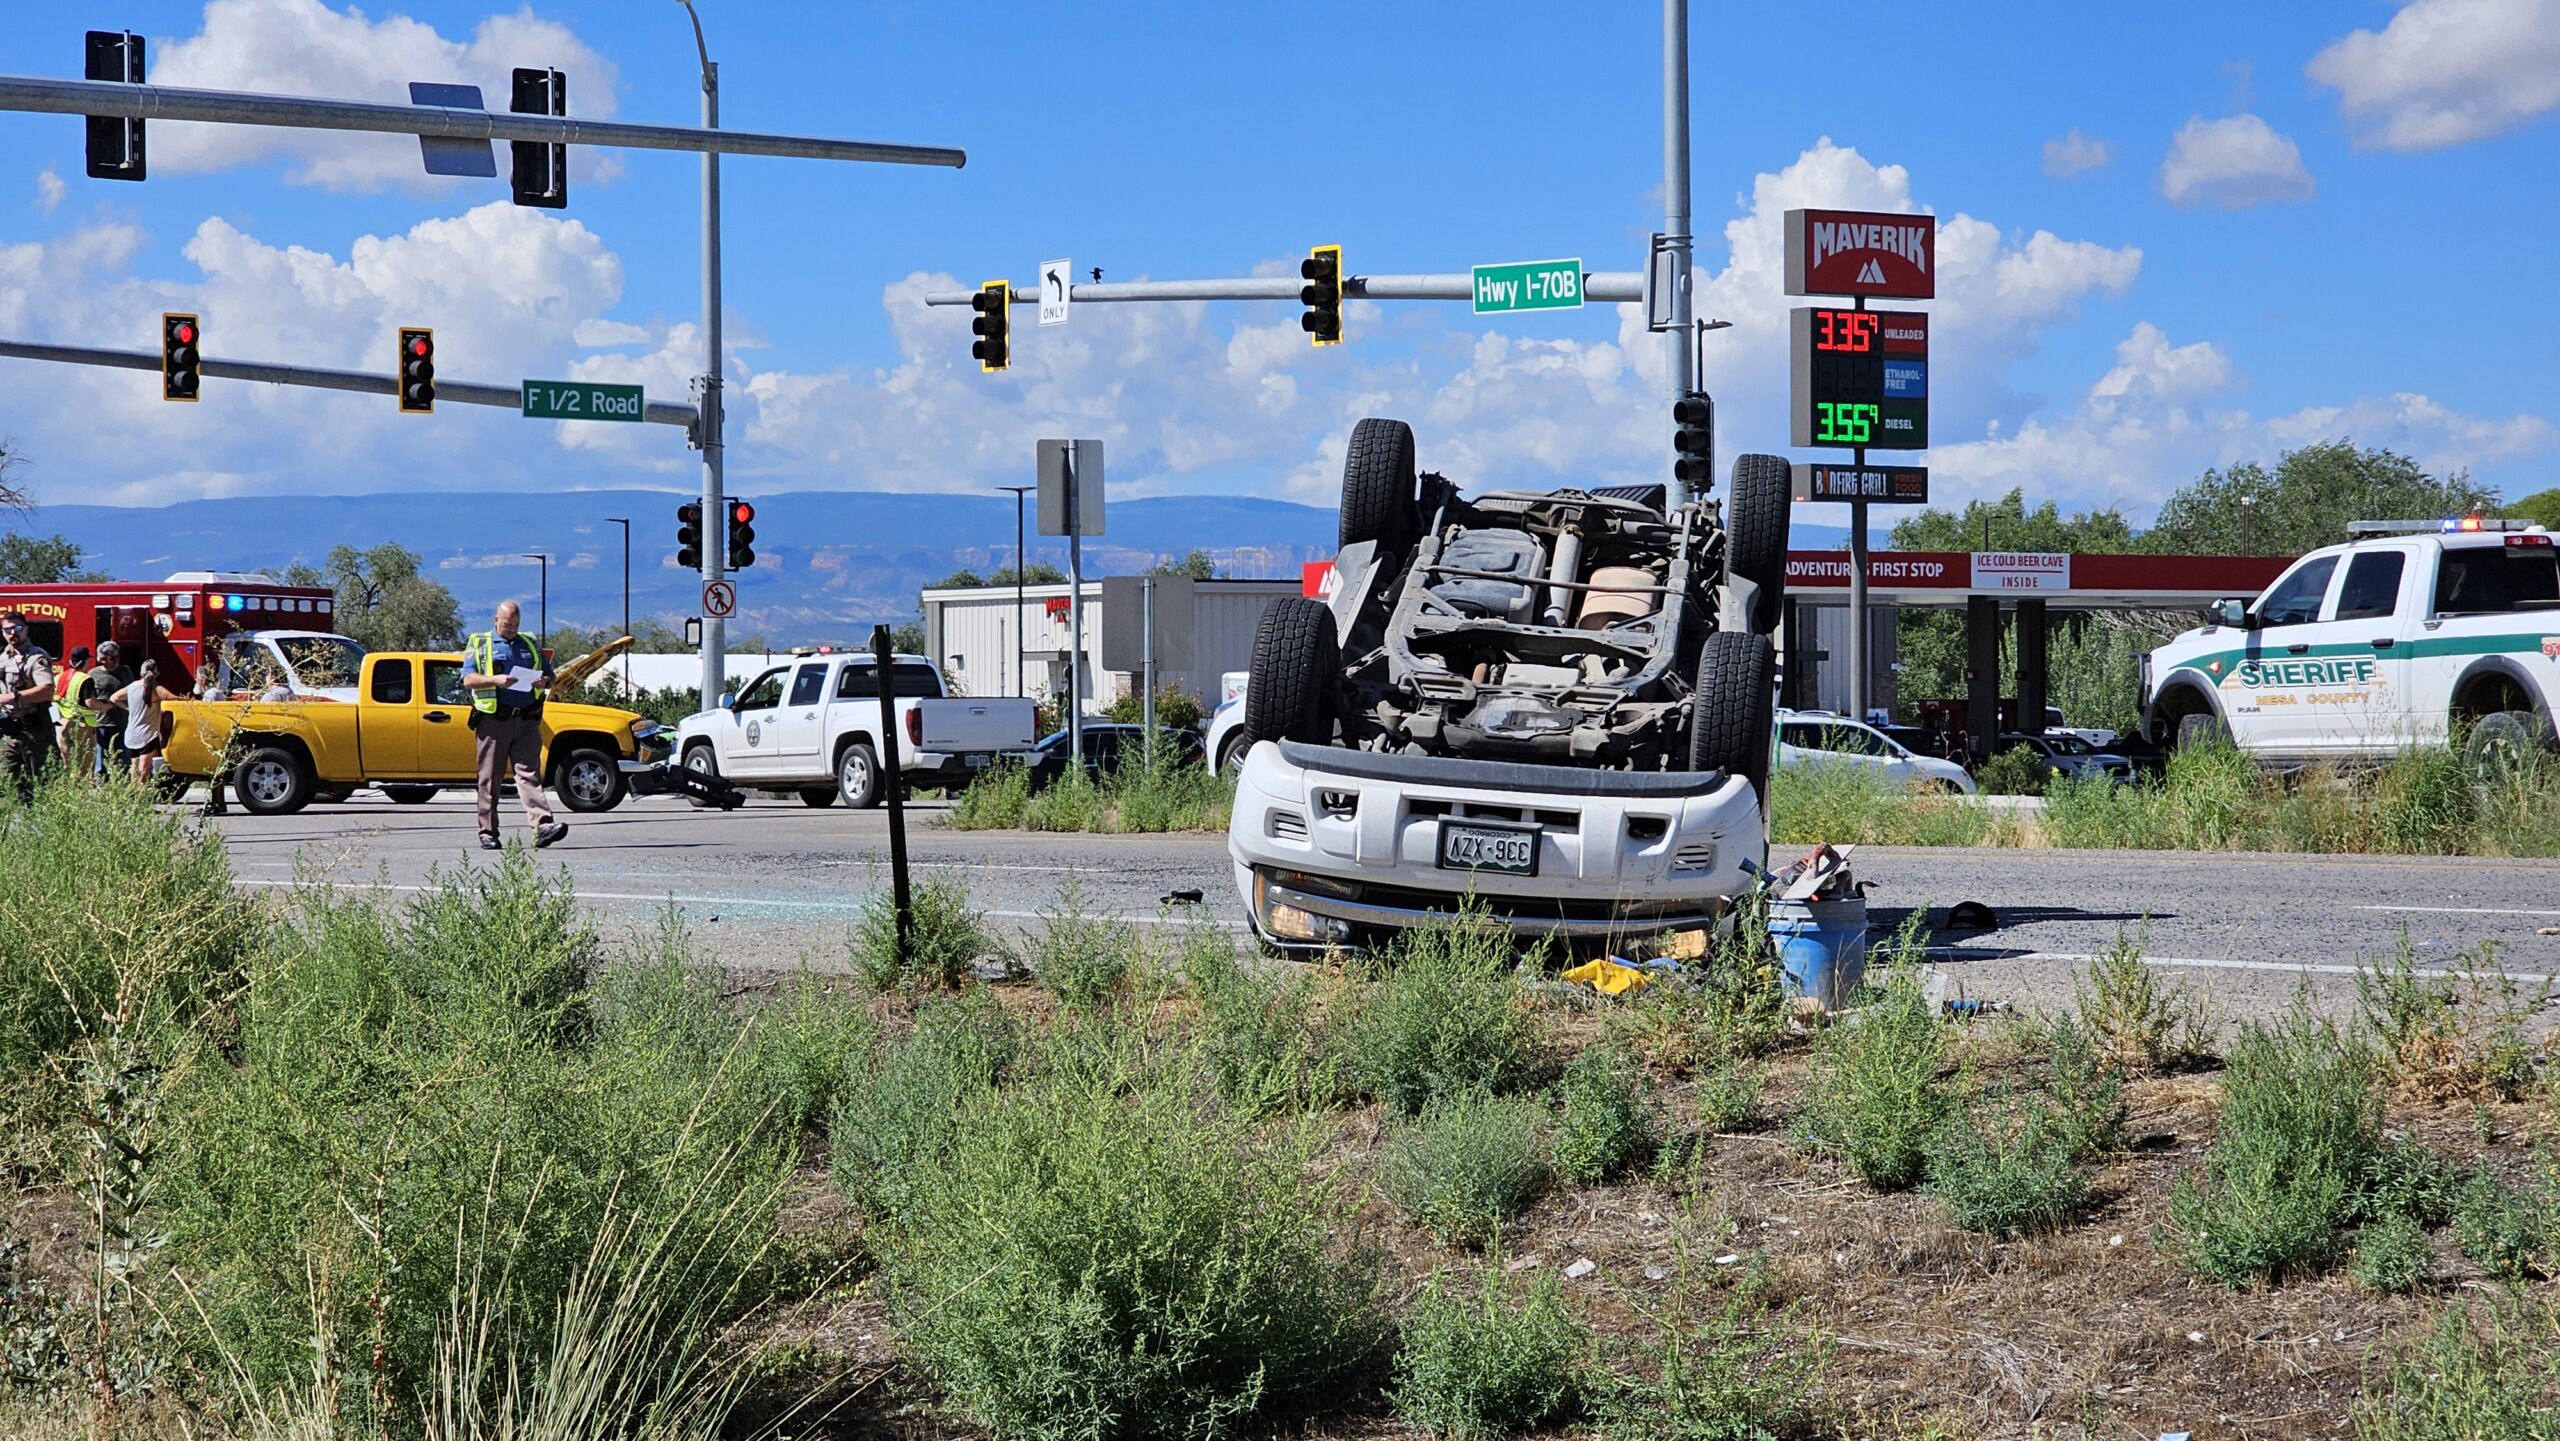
column 715, row 505
column 1675, row 223
column 1603, row 285
column 466, row 392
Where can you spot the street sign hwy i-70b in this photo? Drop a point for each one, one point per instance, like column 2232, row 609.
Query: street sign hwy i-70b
column 1528, row 285
column 582, row 400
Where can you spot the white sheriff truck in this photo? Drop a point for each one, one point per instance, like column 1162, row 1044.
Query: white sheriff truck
column 812, row 729
column 2410, row 633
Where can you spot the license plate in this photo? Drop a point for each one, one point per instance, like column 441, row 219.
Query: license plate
column 1511, row 850
column 976, row 760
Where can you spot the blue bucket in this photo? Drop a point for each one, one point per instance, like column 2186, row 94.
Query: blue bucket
column 1822, row 947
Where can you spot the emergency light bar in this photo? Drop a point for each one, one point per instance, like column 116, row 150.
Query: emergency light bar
column 2450, row 525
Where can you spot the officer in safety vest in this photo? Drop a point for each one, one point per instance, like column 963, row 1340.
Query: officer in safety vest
column 506, row 678
column 74, row 729
column 26, row 701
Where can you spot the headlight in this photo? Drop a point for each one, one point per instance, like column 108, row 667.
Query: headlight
column 642, row 730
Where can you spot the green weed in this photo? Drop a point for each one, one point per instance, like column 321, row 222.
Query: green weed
column 1085, row 960
column 1476, row 1367
column 1442, row 1016
column 2007, row 1166
column 1603, row 1125
column 2472, row 1378
column 899, row 1118
column 1263, row 1031
column 1875, row 1096
column 1468, row 1163
column 2138, row 1021
column 2391, row 1254
column 945, row 934
column 2300, row 1125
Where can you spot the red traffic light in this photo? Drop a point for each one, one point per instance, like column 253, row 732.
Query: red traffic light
column 741, row 511
column 186, row 333
column 420, row 346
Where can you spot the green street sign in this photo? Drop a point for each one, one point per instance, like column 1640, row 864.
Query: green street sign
column 582, row 400
column 1528, row 285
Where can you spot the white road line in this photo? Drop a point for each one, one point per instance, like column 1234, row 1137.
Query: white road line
column 2459, row 910
column 2197, row 963
column 844, row 907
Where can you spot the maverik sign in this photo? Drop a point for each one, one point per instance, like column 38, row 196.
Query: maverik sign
column 1861, row 252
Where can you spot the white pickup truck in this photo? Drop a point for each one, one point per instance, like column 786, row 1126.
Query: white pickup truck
column 812, row 729
column 2411, row 633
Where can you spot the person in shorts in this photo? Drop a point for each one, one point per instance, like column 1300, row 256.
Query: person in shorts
column 143, row 735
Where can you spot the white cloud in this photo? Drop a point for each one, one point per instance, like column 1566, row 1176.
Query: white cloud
column 2446, row 72
column 305, row 47
column 2152, row 423
column 49, row 191
column 2233, row 163
column 2075, row 153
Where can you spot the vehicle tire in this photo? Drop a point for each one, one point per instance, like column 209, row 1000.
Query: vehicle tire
column 858, row 775
column 1378, row 485
column 1756, row 511
column 1735, row 708
column 818, row 798
column 588, row 780
column 272, row 781
column 2504, row 742
column 1231, row 755
column 702, row 761
column 410, row 795
column 2201, row 728
column 1296, row 662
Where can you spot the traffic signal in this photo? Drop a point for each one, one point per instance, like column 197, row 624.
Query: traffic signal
column 1693, row 439
column 1322, row 295
column 115, row 143
column 181, row 358
column 417, row 370
column 742, row 534
column 689, row 535
column 541, row 169
column 994, row 325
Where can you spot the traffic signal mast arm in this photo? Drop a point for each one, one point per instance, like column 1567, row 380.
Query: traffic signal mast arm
column 232, row 107
column 505, row 397
column 1604, row 285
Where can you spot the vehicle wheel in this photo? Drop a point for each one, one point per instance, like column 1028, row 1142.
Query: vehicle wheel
column 818, row 798
column 699, row 760
column 272, row 781
column 1735, row 708
column 858, row 776
column 1231, row 755
column 588, row 780
column 1296, row 661
column 2505, row 742
column 2202, row 728
column 1378, row 485
column 410, row 795
column 1755, row 519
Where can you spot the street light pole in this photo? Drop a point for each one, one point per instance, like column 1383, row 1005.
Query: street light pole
column 715, row 535
column 625, row 523
column 1021, row 638
column 545, row 613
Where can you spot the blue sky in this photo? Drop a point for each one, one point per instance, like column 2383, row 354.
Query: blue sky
column 2199, row 236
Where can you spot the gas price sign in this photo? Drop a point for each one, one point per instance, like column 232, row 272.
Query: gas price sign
column 1861, row 377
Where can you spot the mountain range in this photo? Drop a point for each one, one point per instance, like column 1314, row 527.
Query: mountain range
column 829, row 564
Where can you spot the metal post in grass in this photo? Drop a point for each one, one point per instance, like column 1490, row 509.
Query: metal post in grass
column 893, row 780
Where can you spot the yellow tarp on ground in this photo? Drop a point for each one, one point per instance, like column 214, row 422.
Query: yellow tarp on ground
column 1609, row 977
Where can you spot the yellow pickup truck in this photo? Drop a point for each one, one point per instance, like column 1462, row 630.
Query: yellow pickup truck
column 408, row 731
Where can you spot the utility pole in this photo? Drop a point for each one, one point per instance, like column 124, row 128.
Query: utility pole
column 625, row 523
column 715, row 536
column 1021, row 637
column 545, row 611
column 1675, row 228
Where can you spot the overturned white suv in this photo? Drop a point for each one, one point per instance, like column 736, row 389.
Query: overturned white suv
column 1559, row 704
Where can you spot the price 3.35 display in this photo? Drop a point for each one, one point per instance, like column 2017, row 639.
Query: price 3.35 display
column 1861, row 377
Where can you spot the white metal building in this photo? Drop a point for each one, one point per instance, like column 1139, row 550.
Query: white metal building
column 973, row 633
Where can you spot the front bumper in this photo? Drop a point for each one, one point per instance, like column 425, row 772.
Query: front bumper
column 1333, row 847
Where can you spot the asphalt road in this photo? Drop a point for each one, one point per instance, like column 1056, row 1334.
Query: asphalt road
column 778, row 884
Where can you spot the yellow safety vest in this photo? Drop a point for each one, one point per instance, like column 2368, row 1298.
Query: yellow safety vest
column 67, row 705
column 484, row 656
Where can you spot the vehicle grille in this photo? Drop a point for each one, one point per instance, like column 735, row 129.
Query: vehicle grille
column 1695, row 856
column 1288, row 825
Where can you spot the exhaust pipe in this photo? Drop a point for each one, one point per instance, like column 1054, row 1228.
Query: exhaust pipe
column 1561, row 575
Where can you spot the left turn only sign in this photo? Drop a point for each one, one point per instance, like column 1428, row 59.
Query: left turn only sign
column 719, row 599
column 1056, row 276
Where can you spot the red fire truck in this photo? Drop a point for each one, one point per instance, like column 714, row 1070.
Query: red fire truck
column 257, row 629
